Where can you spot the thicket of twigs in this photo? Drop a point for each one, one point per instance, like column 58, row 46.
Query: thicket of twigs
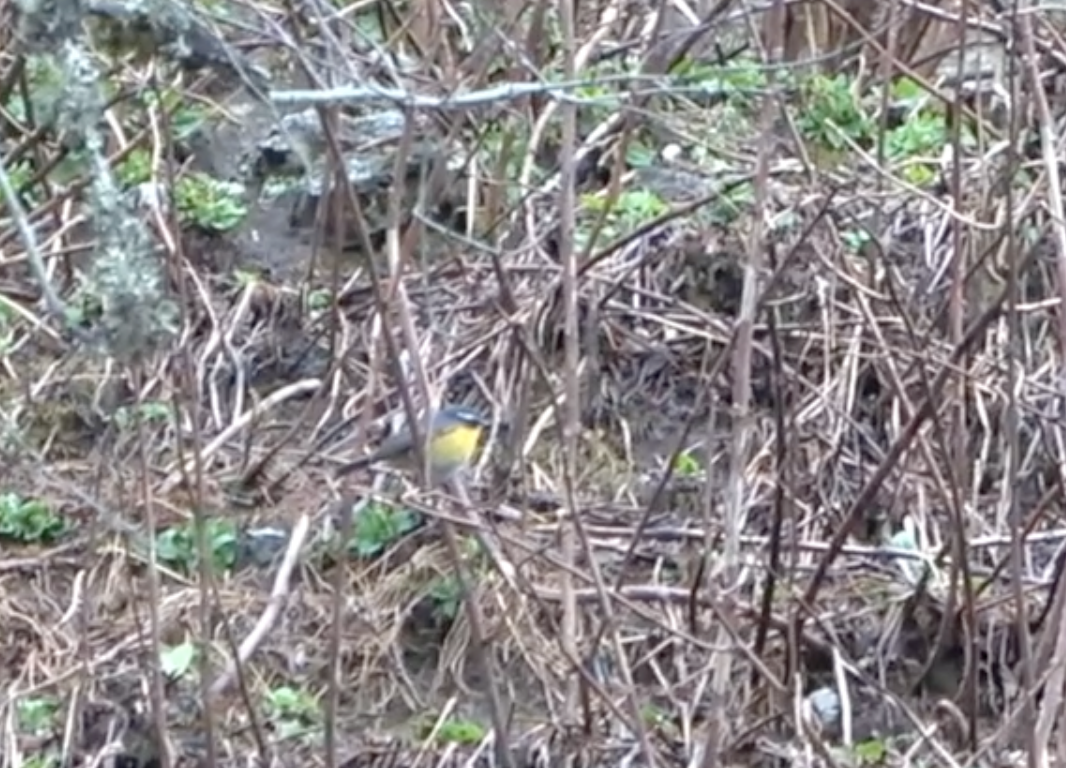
column 763, row 301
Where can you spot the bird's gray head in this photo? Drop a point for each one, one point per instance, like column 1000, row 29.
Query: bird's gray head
column 464, row 415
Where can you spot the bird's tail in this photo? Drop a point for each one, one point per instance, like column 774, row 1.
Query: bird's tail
column 355, row 466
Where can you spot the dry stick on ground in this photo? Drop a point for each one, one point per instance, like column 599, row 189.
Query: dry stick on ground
column 626, row 599
column 541, row 598
column 299, row 52
column 608, row 624
column 960, row 469
column 574, row 60
column 950, row 491
column 501, row 741
column 1009, row 723
column 570, row 414
column 1037, row 514
column 783, row 480
column 540, row 129
column 177, row 474
column 570, row 424
column 278, row 596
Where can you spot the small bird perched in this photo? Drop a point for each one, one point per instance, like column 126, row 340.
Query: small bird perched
column 454, row 433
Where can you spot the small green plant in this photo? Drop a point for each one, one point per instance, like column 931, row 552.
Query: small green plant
column 293, row 712
column 47, row 759
column 20, row 175
column 210, row 204
column 245, row 278
column 153, row 412
column 640, row 155
column 75, row 164
column 177, row 661
column 447, row 596
column 367, row 24
column 652, row 715
column 871, row 751
column 687, row 465
column 507, row 143
column 729, row 206
column 908, row 94
column 832, row 113
column 28, row 521
column 474, row 551
column 319, row 300
column 834, row 116
column 656, row 717
column 177, row 546
column 634, row 207
column 631, row 209
column 186, row 118
column 738, row 83
column 459, row 731
column 379, row 526
column 922, row 135
column 37, row 715
column 136, row 168
column 44, row 79
column 855, row 239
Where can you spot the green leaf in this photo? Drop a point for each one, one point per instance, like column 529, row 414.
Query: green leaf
column 871, row 751
column 319, row 300
column 378, row 526
column 176, row 661
column 36, row 714
column 208, row 203
column 136, row 168
column 907, row 90
column 639, row 156
column 176, row 546
column 461, row 732
column 288, row 702
column 28, row 521
column 447, row 594
column 687, row 465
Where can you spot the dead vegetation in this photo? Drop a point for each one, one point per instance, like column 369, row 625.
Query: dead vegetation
column 772, row 356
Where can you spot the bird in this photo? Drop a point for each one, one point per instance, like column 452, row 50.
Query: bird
column 454, row 434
